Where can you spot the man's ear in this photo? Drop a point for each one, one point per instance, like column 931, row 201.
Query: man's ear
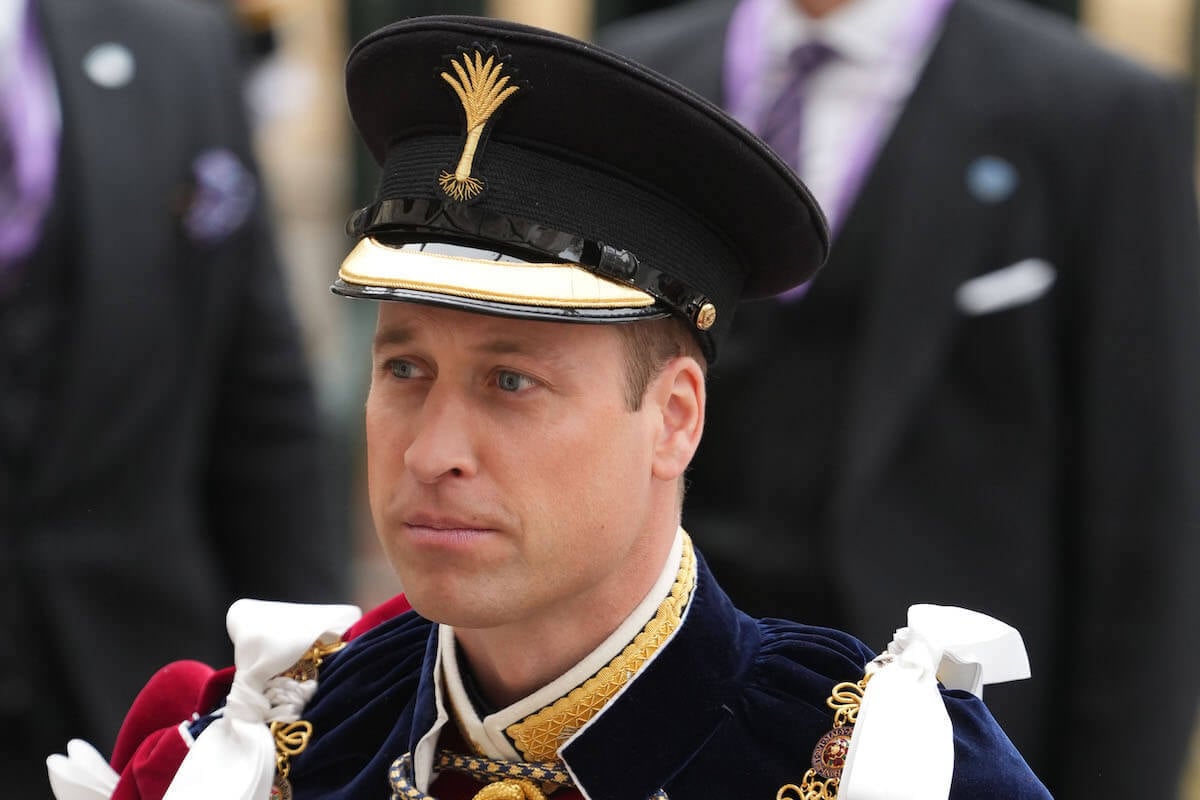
column 678, row 395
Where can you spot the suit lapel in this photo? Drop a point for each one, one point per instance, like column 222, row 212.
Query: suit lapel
column 915, row 210
column 112, row 200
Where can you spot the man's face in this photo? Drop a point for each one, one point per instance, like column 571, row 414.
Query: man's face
column 509, row 481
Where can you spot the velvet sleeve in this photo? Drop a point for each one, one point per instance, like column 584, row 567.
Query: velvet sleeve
column 151, row 743
column 797, row 667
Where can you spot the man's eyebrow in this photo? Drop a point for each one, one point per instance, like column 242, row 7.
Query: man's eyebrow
column 507, row 346
column 396, row 335
column 544, row 351
column 393, row 335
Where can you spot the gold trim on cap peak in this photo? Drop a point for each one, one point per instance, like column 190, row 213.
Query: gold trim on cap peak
column 551, row 285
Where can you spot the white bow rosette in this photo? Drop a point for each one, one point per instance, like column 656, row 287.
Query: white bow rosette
column 902, row 720
column 234, row 759
column 82, row 774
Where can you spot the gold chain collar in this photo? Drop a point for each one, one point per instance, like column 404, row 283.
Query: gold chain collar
column 829, row 755
column 291, row 738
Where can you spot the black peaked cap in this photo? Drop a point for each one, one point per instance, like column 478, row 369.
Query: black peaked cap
column 654, row 199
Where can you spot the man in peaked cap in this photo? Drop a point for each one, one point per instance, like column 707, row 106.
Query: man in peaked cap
column 558, row 242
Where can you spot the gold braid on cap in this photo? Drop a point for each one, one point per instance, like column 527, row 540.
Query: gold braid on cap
column 481, row 88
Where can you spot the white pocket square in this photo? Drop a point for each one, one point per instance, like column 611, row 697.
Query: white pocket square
column 1014, row 285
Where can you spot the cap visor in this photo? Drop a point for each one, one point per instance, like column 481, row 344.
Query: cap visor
column 373, row 265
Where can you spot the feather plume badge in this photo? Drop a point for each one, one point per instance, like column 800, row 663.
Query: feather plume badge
column 482, row 87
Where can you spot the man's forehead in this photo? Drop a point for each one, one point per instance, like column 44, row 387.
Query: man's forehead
column 414, row 323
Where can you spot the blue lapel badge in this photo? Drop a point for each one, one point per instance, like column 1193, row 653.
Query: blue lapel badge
column 991, row 179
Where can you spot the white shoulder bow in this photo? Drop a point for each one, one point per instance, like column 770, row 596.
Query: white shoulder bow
column 902, row 747
column 235, row 757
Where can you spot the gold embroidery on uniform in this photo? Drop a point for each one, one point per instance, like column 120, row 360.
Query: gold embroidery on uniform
column 539, row 735
column 481, row 88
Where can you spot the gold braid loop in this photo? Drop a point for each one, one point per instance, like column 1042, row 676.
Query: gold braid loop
column 812, row 788
column 291, row 738
column 829, row 755
column 845, row 700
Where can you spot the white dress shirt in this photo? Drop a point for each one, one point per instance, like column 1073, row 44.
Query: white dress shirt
column 854, row 99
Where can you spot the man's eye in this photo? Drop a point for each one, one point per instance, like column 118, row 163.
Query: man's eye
column 403, row 369
column 509, row 381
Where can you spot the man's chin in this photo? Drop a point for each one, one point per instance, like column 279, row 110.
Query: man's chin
column 462, row 610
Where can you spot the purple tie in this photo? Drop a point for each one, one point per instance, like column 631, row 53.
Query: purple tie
column 782, row 125
column 9, row 196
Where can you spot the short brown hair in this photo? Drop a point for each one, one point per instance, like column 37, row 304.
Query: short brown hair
column 649, row 345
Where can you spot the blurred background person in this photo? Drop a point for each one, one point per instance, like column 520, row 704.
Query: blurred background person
column 992, row 387
column 160, row 448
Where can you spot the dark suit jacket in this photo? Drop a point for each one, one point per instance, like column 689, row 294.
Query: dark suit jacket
column 1038, row 462
column 179, row 463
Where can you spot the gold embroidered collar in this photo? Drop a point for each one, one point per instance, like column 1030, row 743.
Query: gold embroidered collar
column 537, row 736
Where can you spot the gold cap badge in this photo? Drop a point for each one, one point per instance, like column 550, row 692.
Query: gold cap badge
column 482, row 88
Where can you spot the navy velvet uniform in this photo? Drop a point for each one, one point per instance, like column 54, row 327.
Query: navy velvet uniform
column 731, row 707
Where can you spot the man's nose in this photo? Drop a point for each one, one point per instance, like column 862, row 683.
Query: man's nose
column 443, row 445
